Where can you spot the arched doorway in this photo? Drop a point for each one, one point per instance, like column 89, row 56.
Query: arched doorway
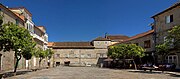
column 173, row 59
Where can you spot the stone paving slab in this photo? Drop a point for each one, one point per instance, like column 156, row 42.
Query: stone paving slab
column 95, row 73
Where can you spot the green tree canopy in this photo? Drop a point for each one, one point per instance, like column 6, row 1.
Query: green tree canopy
column 49, row 53
column 173, row 38
column 172, row 41
column 123, row 51
column 18, row 39
column 40, row 53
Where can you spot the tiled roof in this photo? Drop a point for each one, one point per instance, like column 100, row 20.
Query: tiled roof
column 20, row 16
column 42, row 28
column 171, row 7
column 67, row 45
column 140, row 35
column 16, row 8
column 2, row 6
column 137, row 36
column 117, row 37
column 50, row 44
column 101, row 39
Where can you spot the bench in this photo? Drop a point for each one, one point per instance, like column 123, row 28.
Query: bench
column 34, row 69
column 149, row 68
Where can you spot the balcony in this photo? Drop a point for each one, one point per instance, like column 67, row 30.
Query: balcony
column 38, row 37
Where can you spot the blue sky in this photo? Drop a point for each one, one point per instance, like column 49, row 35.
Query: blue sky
column 84, row 20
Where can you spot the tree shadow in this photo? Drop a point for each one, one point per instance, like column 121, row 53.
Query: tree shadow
column 147, row 72
column 10, row 74
column 174, row 75
column 157, row 72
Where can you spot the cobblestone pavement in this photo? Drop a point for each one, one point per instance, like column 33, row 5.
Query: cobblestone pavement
column 94, row 73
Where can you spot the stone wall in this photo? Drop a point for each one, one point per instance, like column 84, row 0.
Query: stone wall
column 78, row 56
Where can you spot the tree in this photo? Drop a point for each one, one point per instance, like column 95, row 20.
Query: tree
column 18, row 39
column 163, row 50
column 39, row 53
column 126, row 51
column 172, row 41
column 135, row 51
column 173, row 38
column 48, row 53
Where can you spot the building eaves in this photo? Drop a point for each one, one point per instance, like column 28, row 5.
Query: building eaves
column 11, row 12
column 117, row 37
column 101, row 39
column 136, row 37
column 171, row 7
column 26, row 10
column 140, row 35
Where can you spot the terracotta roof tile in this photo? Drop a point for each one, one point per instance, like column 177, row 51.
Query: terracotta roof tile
column 140, row 35
column 7, row 9
column 137, row 36
column 101, row 39
column 16, row 8
column 50, row 44
column 117, row 37
column 67, row 45
column 72, row 44
column 22, row 17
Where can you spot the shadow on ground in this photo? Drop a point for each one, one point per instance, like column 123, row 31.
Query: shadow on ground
column 147, row 72
column 10, row 74
column 157, row 72
column 174, row 75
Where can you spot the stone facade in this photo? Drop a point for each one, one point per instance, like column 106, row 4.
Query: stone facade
column 39, row 36
column 7, row 59
column 23, row 18
column 82, row 53
column 163, row 22
column 144, row 40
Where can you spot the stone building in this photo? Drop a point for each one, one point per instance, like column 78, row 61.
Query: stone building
column 23, row 18
column 82, row 53
column 163, row 22
column 7, row 58
column 146, row 41
column 116, row 38
column 38, row 32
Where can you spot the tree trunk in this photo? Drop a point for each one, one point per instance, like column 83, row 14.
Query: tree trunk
column 134, row 65
column 40, row 62
column 17, row 61
column 124, row 64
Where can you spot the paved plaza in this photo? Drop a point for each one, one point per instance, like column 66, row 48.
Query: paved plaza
column 94, row 73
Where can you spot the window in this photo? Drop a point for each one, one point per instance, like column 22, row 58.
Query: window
column 57, row 56
column 147, row 44
column 76, row 55
column 172, row 59
column 17, row 22
column 67, row 55
column 169, row 19
column 82, row 56
column 89, row 55
column 100, row 55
